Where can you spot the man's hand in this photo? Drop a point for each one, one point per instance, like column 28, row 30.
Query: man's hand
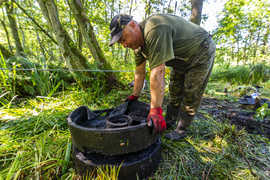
column 132, row 98
column 156, row 119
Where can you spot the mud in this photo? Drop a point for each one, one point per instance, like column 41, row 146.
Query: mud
column 240, row 115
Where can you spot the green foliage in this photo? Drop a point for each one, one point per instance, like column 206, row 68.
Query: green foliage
column 32, row 82
column 7, row 83
column 14, row 168
column 259, row 73
column 236, row 75
column 242, row 75
column 262, row 112
column 108, row 172
column 242, row 32
column 67, row 158
column 267, row 85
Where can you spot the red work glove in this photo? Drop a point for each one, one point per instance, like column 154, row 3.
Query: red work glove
column 156, row 119
column 132, row 98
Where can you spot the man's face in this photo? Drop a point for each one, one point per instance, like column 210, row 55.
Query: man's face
column 130, row 37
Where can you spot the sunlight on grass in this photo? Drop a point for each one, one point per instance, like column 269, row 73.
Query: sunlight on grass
column 215, row 153
column 35, row 143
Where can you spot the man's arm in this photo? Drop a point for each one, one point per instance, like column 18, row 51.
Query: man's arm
column 157, row 85
column 139, row 79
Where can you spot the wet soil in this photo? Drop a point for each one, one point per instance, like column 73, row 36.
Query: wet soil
column 236, row 113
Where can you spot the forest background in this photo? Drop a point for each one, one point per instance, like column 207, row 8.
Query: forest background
column 74, row 35
column 55, row 57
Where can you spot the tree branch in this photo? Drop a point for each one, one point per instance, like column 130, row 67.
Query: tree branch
column 35, row 22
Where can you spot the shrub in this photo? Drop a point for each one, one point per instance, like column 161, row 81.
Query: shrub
column 243, row 75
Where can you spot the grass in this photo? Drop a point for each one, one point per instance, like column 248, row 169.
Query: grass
column 241, row 75
column 35, row 142
column 215, row 155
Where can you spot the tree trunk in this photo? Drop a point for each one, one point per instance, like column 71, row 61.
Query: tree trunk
column 238, row 49
column 73, row 57
column 41, row 45
column 232, row 52
column 249, row 42
column 6, row 31
column 6, row 54
column 147, row 9
column 126, row 54
column 131, row 5
column 23, row 36
column 87, row 31
column 169, row 6
column 105, row 11
column 265, row 39
column 127, row 49
column 112, row 15
column 73, row 34
column 196, row 11
column 257, row 40
column 245, row 55
column 79, row 40
column 13, row 26
column 175, row 6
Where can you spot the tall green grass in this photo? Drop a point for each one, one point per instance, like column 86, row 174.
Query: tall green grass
column 259, row 74
column 43, row 81
column 241, row 75
column 37, row 144
column 29, row 82
column 7, row 84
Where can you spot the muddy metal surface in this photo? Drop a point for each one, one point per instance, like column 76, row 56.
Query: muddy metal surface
column 127, row 114
column 236, row 113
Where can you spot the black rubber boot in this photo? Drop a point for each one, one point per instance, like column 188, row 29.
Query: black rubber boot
column 181, row 130
column 171, row 115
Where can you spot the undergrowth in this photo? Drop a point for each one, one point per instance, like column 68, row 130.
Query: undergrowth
column 35, row 142
column 241, row 75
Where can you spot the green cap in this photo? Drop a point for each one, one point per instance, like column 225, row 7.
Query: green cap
column 117, row 26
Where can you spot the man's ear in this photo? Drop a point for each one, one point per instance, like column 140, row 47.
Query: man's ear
column 132, row 25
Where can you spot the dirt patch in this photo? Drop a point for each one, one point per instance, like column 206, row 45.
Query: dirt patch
column 240, row 115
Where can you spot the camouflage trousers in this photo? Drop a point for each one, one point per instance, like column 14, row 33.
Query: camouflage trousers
column 188, row 81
